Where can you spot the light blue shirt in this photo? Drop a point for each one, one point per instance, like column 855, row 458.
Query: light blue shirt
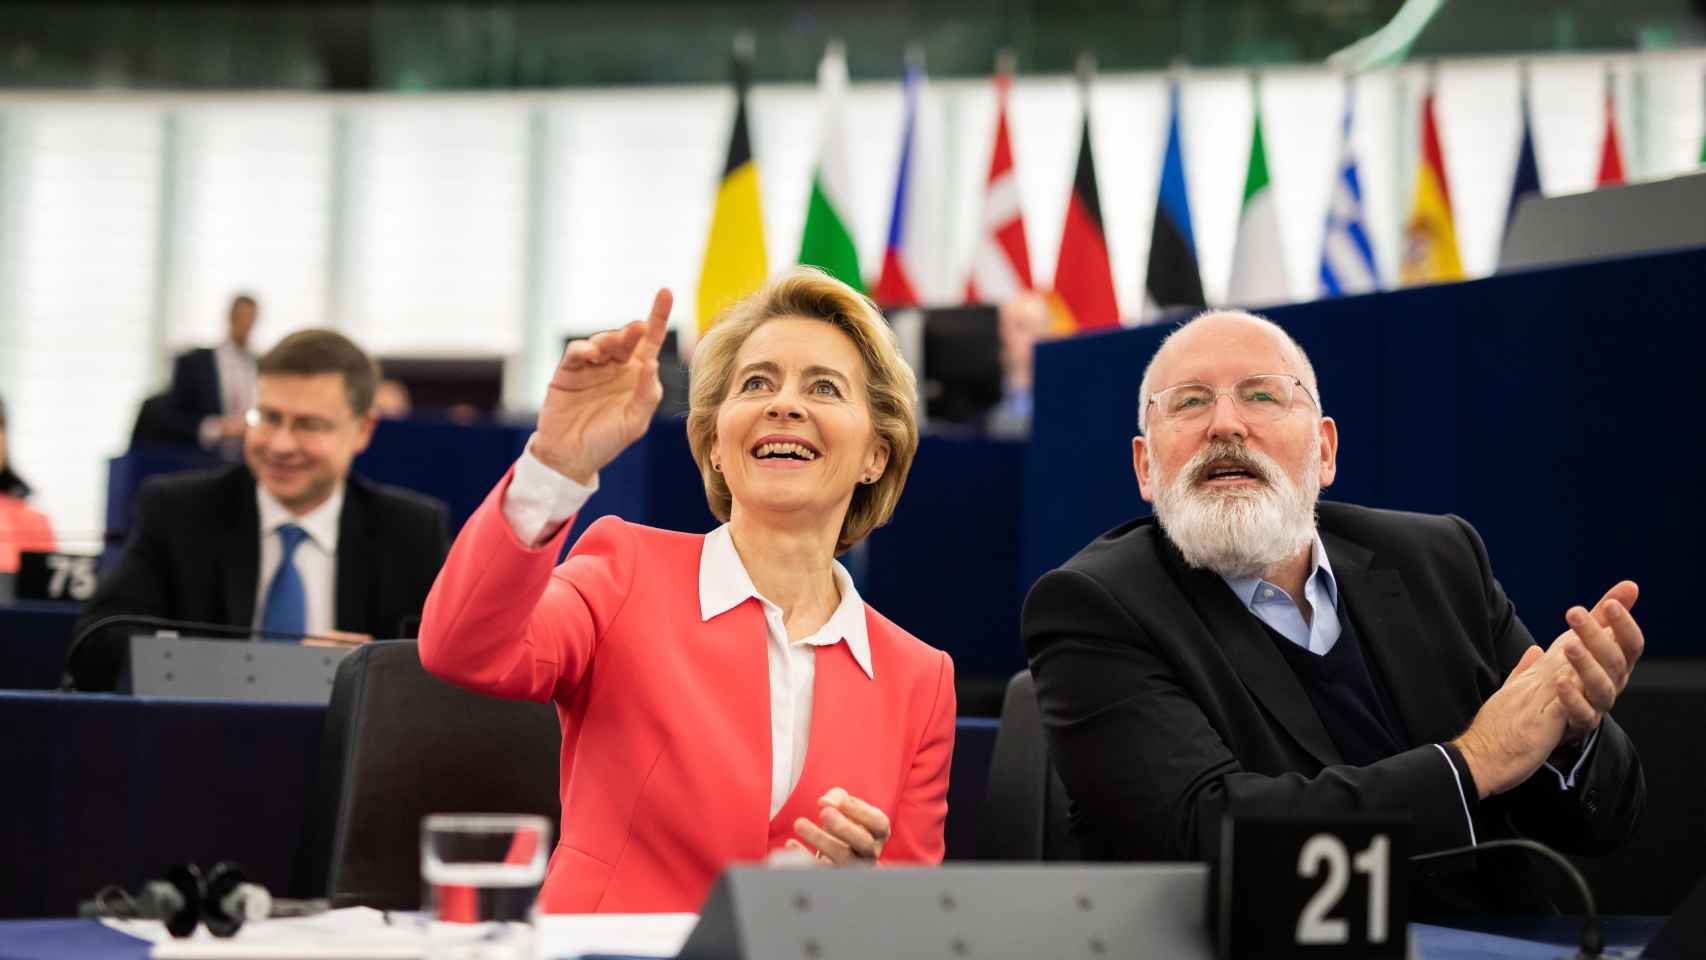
column 1276, row 608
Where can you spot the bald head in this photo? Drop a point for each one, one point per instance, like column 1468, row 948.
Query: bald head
column 1211, row 344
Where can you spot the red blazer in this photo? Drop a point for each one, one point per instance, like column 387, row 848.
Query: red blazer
column 21, row 528
column 666, row 719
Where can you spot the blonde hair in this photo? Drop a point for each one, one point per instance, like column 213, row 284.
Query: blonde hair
column 891, row 388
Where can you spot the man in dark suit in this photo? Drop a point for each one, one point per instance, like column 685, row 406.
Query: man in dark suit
column 1248, row 650
column 213, row 387
column 288, row 541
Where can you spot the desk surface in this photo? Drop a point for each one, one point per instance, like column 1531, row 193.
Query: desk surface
column 1519, row 939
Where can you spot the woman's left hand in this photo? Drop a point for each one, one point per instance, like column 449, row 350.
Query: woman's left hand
column 849, row 831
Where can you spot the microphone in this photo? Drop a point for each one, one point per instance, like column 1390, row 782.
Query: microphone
column 68, row 681
column 1593, row 939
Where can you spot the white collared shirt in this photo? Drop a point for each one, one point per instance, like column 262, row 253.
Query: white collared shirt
column 540, row 500
column 236, row 369
column 316, row 557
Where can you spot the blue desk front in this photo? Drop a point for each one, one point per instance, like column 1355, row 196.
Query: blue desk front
column 33, row 637
column 116, row 789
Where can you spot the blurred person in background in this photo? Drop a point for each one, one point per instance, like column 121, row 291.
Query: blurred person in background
column 391, row 400
column 289, row 541
column 212, row 387
column 1022, row 322
column 729, row 696
column 21, row 528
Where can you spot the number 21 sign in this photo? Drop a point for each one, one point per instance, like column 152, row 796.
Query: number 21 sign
column 1313, row 887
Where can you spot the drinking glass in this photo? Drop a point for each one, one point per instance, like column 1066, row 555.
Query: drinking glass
column 480, row 875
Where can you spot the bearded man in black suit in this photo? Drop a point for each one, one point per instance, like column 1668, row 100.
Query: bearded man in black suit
column 1249, row 649
column 288, row 541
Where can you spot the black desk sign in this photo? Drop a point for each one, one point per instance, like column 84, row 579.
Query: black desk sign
column 1313, row 887
column 55, row 576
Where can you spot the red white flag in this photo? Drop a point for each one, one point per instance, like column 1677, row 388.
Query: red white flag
column 1001, row 265
column 1610, row 155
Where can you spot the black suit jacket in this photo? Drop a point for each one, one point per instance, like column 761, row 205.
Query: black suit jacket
column 194, row 554
column 195, row 384
column 1166, row 704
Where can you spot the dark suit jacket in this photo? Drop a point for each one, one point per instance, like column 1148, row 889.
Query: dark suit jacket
column 195, row 384
column 1166, row 704
column 172, row 417
column 194, row 554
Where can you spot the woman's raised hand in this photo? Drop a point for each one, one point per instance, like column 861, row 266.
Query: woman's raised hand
column 602, row 396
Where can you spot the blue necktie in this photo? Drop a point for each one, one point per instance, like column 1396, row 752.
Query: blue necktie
column 287, row 602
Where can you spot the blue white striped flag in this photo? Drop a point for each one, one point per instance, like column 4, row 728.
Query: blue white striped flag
column 1347, row 259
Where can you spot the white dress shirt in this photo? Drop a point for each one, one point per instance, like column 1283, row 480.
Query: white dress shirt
column 540, row 500
column 316, row 557
column 235, row 369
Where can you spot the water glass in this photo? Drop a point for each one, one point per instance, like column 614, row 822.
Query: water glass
column 480, row 876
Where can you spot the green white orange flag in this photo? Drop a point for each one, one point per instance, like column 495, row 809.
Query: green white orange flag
column 1258, row 257
column 1430, row 235
column 828, row 241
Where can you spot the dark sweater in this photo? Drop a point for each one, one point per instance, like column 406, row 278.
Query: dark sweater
column 1352, row 703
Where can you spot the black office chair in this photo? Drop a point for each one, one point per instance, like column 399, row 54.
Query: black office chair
column 1024, row 813
column 400, row 744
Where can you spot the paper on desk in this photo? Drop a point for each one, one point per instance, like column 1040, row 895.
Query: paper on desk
column 628, row 934
column 362, row 933
column 354, row 933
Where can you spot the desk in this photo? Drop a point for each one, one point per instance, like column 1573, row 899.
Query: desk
column 1520, row 940
column 33, row 638
column 121, row 788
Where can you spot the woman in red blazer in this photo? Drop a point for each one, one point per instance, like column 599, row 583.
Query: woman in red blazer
column 21, row 528
column 725, row 696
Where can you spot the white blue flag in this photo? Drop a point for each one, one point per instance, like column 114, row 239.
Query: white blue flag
column 1347, row 259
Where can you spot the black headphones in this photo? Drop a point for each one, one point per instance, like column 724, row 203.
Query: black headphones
column 224, row 900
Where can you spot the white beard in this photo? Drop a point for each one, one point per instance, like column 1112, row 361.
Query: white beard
column 1240, row 532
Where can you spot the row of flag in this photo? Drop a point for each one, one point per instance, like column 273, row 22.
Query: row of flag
column 1083, row 296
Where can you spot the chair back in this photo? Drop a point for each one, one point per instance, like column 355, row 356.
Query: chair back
column 1025, row 809
column 399, row 744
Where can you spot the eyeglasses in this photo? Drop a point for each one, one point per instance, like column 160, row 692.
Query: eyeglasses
column 309, row 428
column 1262, row 398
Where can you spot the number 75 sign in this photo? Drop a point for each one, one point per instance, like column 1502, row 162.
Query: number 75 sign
column 1313, row 887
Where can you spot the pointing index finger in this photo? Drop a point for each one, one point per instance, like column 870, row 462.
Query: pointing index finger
column 657, row 324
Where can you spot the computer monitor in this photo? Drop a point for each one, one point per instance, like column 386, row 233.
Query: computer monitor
column 457, row 385
column 961, row 375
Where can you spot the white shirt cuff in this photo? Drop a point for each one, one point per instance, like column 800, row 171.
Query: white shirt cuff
column 540, row 500
column 1462, row 797
column 210, row 431
column 1569, row 782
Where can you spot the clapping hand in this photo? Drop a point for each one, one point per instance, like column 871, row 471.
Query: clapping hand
column 1600, row 651
column 602, row 396
column 849, row 831
column 1556, row 696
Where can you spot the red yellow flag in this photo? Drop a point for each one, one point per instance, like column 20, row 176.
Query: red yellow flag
column 1430, row 235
